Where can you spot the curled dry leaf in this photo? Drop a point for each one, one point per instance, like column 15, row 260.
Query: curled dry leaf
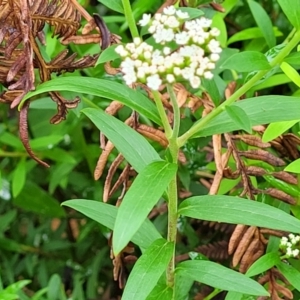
column 252, row 140
column 153, row 134
column 236, row 237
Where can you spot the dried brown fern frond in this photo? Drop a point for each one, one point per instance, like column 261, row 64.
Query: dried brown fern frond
column 21, row 24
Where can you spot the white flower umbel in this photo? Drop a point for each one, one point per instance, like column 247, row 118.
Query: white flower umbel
column 189, row 53
column 290, row 245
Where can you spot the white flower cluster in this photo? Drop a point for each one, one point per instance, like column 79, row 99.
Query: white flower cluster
column 290, row 245
column 189, row 51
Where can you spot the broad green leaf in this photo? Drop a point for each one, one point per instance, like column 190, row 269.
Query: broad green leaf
column 236, row 210
column 239, row 116
column 293, row 167
column 107, row 55
column 246, row 61
column 54, row 287
column 101, row 88
column 105, row 214
column 161, row 292
column 139, row 200
column 147, row 270
column 276, row 129
column 291, row 9
column 115, row 5
column 134, row 147
column 291, row 73
column 263, row 21
column 290, row 273
column 19, row 177
column 220, row 277
column 250, row 33
column 183, row 285
column 34, row 198
column 263, row 264
column 15, row 287
column 260, row 110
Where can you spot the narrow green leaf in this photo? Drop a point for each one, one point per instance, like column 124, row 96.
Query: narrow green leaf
column 291, row 9
column 105, row 214
column 293, row 167
column 263, row 21
column 134, row 147
column 19, row 178
column 239, row 116
column 246, row 61
column 115, row 5
column 251, row 33
column 101, row 88
column 147, row 270
column 291, row 73
column 236, row 210
column 220, row 277
column 144, row 193
column 54, row 287
column 107, row 55
column 42, row 203
column 234, row 296
column 290, row 273
column 15, row 287
column 276, row 129
column 260, row 110
column 263, row 264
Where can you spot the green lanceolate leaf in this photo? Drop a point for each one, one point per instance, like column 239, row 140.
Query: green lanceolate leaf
column 247, row 61
column 144, row 193
column 260, row 110
column 107, row 55
column 290, row 72
column 291, row 8
column 101, row 88
column 236, row 210
column 134, row 147
column 19, row 177
column 263, row 264
column 290, row 273
column 147, row 270
column 215, row 275
column 239, row 116
column 263, row 21
column 276, row 129
column 105, row 214
column 293, row 166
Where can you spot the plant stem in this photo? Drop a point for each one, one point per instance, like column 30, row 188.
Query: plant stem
column 130, row 18
column 212, row 294
column 176, row 111
column 241, row 91
column 162, row 114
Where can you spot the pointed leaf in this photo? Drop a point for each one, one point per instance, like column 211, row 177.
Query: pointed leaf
column 263, row 264
column 101, row 88
column 290, row 273
column 239, row 116
column 144, row 193
column 291, row 73
column 105, row 214
column 260, row 110
column 236, row 210
column 276, row 129
column 147, row 270
column 263, row 21
column 19, row 178
column 293, row 167
column 246, row 61
column 108, row 54
column 291, row 9
column 134, row 147
column 220, row 277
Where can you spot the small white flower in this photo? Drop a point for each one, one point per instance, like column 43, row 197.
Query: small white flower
column 295, row 252
column 283, row 241
column 182, row 38
column 161, row 69
column 214, row 57
column 147, row 54
column 170, row 78
column 129, row 78
column 166, row 50
column 289, row 252
column 172, row 22
column 195, row 82
column 157, row 17
column 177, row 71
column 145, row 20
column 214, row 32
column 170, row 10
column 182, row 15
column 297, row 238
column 204, row 22
column 208, row 75
column 154, row 82
column 187, row 73
column 291, row 236
column 211, row 66
column 289, row 244
column 141, row 73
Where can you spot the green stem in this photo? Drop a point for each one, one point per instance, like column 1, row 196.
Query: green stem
column 130, row 18
column 162, row 114
column 241, row 91
column 176, row 111
column 212, row 294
